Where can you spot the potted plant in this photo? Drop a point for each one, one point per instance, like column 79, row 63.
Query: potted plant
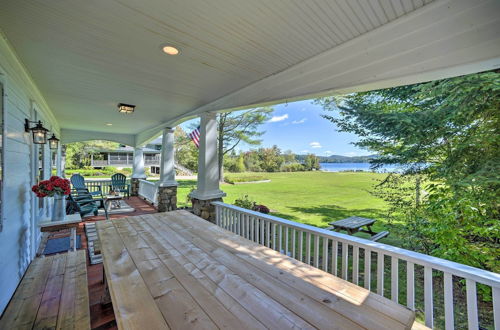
column 57, row 188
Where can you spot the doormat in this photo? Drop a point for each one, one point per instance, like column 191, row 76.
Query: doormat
column 57, row 245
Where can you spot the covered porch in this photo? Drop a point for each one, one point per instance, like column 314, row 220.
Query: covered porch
column 68, row 65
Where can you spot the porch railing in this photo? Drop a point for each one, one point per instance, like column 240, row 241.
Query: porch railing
column 148, row 190
column 363, row 262
column 105, row 184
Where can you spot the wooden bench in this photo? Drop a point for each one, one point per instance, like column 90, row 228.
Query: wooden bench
column 53, row 294
column 378, row 236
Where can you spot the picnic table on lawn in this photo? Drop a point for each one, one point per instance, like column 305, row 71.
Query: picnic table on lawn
column 175, row 270
column 355, row 224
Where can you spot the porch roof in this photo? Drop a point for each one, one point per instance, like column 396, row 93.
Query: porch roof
column 88, row 56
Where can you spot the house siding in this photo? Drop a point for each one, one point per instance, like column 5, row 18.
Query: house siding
column 20, row 237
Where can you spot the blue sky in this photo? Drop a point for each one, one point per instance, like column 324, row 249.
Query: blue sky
column 299, row 127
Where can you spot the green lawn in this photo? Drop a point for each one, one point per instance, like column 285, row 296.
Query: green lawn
column 314, row 198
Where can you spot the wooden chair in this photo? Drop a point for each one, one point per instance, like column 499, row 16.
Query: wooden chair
column 78, row 182
column 87, row 204
column 119, row 184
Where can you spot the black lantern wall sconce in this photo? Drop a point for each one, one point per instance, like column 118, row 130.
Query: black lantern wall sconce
column 40, row 134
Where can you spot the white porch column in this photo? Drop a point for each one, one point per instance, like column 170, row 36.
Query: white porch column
column 208, row 176
column 167, row 160
column 167, row 186
column 137, row 171
column 59, row 161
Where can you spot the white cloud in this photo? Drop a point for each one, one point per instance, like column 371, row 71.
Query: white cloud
column 276, row 119
column 315, row 145
column 305, row 151
column 303, row 120
column 328, row 152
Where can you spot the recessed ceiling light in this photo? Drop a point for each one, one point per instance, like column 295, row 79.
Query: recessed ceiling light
column 170, row 50
column 109, row 124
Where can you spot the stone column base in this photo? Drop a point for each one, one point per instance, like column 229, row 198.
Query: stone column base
column 134, row 186
column 167, row 199
column 204, row 208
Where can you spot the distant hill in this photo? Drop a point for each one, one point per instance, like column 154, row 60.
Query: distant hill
column 341, row 159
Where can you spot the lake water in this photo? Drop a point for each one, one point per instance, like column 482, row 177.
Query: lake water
column 339, row 167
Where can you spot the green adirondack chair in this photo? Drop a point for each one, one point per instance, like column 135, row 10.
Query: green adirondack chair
column 78, row 183
column 119, row 184
column 87, row 204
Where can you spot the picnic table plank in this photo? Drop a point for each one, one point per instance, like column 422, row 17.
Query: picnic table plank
column 52, row 295
column 352, row 223
column 133, row 304
column 49, row 308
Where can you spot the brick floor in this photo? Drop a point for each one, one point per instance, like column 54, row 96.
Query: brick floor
column 102, row 316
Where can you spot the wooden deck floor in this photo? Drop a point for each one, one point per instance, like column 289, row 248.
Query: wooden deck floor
column 102, row 317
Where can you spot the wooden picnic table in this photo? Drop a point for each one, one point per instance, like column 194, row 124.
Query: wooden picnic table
column 354, row 225
column 176, row 270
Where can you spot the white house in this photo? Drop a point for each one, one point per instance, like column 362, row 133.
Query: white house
column 69, row 63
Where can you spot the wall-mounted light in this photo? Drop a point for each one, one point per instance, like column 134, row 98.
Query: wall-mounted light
column 53, row 142
column 126, row 108
column 39, row 132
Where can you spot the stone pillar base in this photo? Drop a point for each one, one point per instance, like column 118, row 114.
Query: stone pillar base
column 167, row 199
column 204, row 208
column 134, row 186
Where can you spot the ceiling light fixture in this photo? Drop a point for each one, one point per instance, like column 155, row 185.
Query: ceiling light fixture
column 109, row 124
column 126, row 108
column 170, row 50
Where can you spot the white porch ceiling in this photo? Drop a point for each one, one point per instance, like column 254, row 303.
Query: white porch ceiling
column 86, row 56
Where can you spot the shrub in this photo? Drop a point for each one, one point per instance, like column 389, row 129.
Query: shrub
column 248, row 178
column 261, row 208
column 245, row 202
column 293, row 167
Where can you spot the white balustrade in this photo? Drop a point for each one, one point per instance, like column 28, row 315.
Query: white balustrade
column 103, row 184
column 274, row 232
column 149, row 191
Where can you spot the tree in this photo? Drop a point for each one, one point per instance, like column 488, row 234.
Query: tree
column 311, row 162
column 186, row 153
column 237, row 127
column 447, row 130
column 271, row 159
column 78, row 153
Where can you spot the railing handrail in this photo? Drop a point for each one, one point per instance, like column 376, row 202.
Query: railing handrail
column 476, row 274
column 147, row 182
column 144, row 186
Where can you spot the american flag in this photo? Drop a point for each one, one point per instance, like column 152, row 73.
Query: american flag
column 195, row 136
